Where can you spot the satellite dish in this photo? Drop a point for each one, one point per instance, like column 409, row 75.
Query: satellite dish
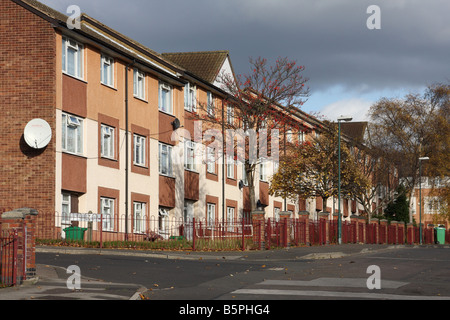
column 176, row 124
column 37, row 134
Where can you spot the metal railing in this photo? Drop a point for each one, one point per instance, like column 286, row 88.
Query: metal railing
column 8, row 258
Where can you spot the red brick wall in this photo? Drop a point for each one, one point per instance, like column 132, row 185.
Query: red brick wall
column 27, row 91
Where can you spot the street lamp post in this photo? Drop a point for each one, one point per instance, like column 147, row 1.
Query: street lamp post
column 341, row 118
column 420, row 196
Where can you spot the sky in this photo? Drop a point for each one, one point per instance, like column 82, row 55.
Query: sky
column 349, row 66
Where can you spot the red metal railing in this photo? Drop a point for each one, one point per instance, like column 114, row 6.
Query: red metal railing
column 8, row 258
column 160, row 231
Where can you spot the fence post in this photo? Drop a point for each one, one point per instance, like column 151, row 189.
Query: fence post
column 193, row 234
column 304, row 218
column 383, row 231
column 22, row 224
column 410, row 233
column 285, row 218
column 258, row 222
column 323, row 234
column 362, row 230
column 243, row 234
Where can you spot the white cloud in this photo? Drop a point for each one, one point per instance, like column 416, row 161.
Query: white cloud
column 355, row 107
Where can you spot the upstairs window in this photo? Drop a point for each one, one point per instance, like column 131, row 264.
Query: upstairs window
column 190, row 100
column 107, row 69
column 72, row 58
column 107, row 142
column 139, row 84
column 72, row 134
column 139, row 150
column 165, row 98
column 210, row 104
column 165, row 159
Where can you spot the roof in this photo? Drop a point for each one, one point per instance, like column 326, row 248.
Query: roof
column 204, row 64
column 354, row 130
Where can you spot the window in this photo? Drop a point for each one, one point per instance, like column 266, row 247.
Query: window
column 165, row 98
column 230, row 115
column 289, row 136
column 107, row 69
column 72, row 58
column 210, row 160
column 165, row 159
column 139, row 150
column 230, row 167
column 210, row 104
column 189, row 155
column 66, row 208
column 72, row 134
column 163, row 217
column 244, row 175
column 276, row 214
column 190, row 97
column 301, row 137
column 210, row 213
column 139, row 84
column 139, row 217
column 230, row 218
column 107, row 142
column 263, row 170
column 107, row 210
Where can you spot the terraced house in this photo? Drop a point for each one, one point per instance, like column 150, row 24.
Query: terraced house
column 120, row 121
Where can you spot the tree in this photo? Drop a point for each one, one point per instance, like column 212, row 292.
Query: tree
column 265, row 99
column 311, row 170
column 403, row 130
column 375, row 182
column 398, row 210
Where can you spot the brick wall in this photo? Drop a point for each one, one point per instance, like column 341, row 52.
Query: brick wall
column 27, row 91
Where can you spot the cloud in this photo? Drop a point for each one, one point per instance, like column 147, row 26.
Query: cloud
column 329, row 37
column 355, row 107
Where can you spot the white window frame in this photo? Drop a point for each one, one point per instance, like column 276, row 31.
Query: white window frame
column 139, row 84
column 276, row 213
column 78, row 58
column 107, row 211
column 244, row 175
column 190, row 97
column 165, row 155
column 210, row 104
column 139, row 215
column 189, row 155
column 263, row 175
column 165, row 105
column 66, row 208
column 211, row 214
column 107, row 71
column 230, row 167
column 163, row 215
column 230, row 217
column 301, row 137
column 107, row 148
column 210, row 160
column 230, row 115
column 71, row 122
column 289, row 136
column 140, row 149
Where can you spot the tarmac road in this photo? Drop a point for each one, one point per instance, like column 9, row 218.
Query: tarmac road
column 326, row 272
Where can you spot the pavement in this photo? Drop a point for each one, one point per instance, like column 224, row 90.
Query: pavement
column 51, row 281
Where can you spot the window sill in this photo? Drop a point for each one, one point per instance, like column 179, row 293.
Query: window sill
column 167, row 176
column 140, row 99
column 74, row 154
column 108, row 86
column 74, row 77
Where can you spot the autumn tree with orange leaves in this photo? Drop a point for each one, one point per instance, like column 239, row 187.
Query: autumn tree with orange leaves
column 261, row 101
